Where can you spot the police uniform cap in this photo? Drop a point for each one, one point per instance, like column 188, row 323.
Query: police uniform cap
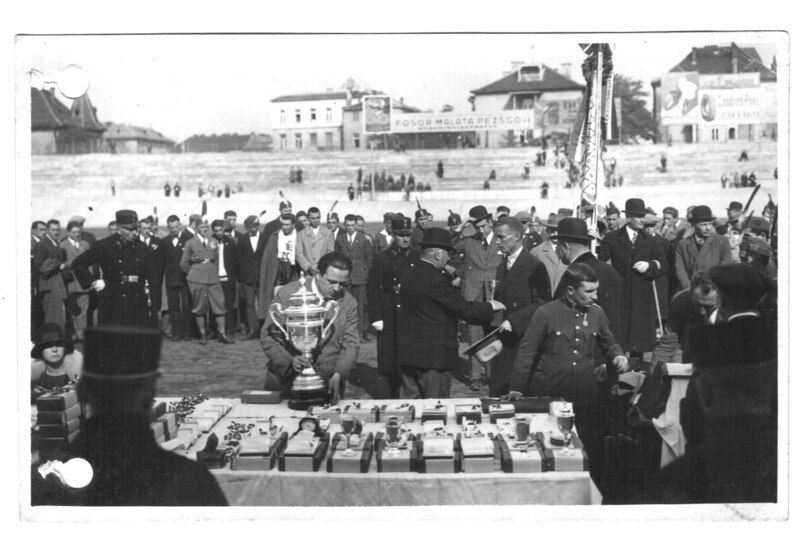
column 250, row 220
column 401, row 224
column 126, row 218
column 453, row 219
column 121, row 353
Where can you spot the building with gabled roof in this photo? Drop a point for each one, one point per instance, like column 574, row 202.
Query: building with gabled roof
column 717, row 93
column 227, row 142
column 128, row 139
column 58, row 129
column 530, row 86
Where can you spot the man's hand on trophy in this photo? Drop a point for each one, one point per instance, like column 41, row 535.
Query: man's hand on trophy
column 333, row 387
column 299, row 363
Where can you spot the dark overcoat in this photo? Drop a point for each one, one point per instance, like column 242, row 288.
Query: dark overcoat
column 360, row 253
column 638, row 323
column 431, row 308
column 383, row 302
column 174, row 276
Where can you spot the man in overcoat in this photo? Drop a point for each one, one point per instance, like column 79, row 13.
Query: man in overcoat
column 355, row 245
column 49, row 262
column 179, row 301
column 701, row 250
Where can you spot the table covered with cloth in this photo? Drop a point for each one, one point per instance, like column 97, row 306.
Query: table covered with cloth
column 321, row 488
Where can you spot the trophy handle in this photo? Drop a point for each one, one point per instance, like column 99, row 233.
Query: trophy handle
column 327, row 327
column 276, row 307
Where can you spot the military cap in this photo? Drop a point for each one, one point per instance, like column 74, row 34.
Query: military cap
column 127, row 218
column 479, row 213
column 744, row 284
column 49, row 335
column 453, row 219
column 401, row 224
column 250, row 220
column 121, row 353
column 436, row 237
column 611, row 209
column 735, row 205
column 285, row 204
column 421, row 213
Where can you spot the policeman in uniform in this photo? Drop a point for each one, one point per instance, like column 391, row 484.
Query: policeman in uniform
column 383, row 298
column 556, row 357
column 127, row 267
column 126, row 467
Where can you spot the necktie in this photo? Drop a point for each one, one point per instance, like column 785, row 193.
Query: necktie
column 634, row 234
column 485, row 243
column 508, row 261
column 253, row 234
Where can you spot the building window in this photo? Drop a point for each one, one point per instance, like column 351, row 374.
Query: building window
column 313, row 114
column 298, row 140
column 356, row 140
column 714, row 134
column 297, row 115
column 328, row 139
column 312, row 140
column 356, row 116
column 283, row 116
column 329, row 115
column 283, row 140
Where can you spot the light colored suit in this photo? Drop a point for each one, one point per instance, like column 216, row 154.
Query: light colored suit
column 311, row 247
column 555, row 268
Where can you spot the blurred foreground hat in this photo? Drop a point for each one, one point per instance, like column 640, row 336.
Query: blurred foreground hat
column 126, row 218
column 634, row 207
column 250, row 220
column 742, row 341
column 401, row 224
column 121, row 353
column 453, row 219
column 735, row 205
column 758, row 224
column 479, row 213
column 742, row 283
column 755, row 245
column 49, row 335
column 701, row 214
column 436, row 237
column 572, row 229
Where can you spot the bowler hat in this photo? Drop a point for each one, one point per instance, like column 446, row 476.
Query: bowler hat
column 701, row 213
column 486, row 348
column 121, row 353
column 421, row 213
column 436, row 237
column 553, row 221
column 126, row 218
column 479, row 213
column 570, row 228
column 635, row 208
column 51, row 334
column 401, row 224
column 742, row 341
column 453, row 219
column 735, row 205
column 742, row 283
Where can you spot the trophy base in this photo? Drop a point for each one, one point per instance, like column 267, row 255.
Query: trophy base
column 302, row 402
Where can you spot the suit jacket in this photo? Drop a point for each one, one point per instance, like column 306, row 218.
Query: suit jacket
column 47, row 257
column 382, row 241
column 157, row 260
column 689, row 261
column 268, row 272
column 194, row 254
column 173, row 273
column 479, row 265
column 360, row 253
column 70, row 251
column 310, row 248
column 338, row 352
column 249, row 260
column 272, row 226
column 555, row 268
column 638, row 322
column 431, row 308
column 230, row 256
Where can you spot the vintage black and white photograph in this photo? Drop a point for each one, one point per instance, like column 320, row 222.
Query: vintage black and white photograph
column 277, row 274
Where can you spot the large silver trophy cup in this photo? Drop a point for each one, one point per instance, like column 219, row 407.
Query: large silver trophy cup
column 304, row 327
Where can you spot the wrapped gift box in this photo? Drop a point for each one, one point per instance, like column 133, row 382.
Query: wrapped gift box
column 405, row 411
column 434, row 412
column 205, row 423
column 261, row 397
column 521, row 460
column 534, row 404
column 191, row 430
column 500, row 410
column 170, row 421
column 253, row 454
column 158, row 430
column 470, row 412
column 363, row 412
column 554, row 461
column 59, row 417
column 359, row 463
column 326, row 412
column 158, row 409
column 54, row 431
column 477, row 454
column 302, row 454
column 438, row 455
column 405, row 460
column 57, row 402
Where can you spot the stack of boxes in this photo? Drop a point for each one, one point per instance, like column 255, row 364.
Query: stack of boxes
column 59, row 417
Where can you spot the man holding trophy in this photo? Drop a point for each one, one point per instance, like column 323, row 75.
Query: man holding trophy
column 312, row 342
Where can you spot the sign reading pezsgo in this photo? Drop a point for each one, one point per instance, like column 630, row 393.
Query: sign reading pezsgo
column 494, row 121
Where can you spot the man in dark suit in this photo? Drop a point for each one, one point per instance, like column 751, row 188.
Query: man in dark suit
column 522, row 283
column 431, row 309
column 38, row 230
column 279, row 264
column 157, row 260
column 285, row 207
column 227, row 265
column 383, row 298
column 49, row 261
column 572, row 244
column 179, row 302
column 384, row 238
column 639, row 260
column 355, row 246
column 333, row 225
column 250, row 250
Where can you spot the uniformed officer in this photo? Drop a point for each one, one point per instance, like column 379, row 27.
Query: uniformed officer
column 126, row 467
column 556, row 356
column 125, row 263
column 383, row 298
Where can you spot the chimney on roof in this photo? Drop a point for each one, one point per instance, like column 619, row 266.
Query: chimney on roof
column 516, row 64
column 774, row 65
column 694, row 55
column 348, row 96
column 735, row 65
column 566, row 70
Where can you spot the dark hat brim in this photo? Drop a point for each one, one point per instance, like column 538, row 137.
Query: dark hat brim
column 449, row 248
column 476, row 219
column 701, row 219
column 574, row 237
column 36, row 352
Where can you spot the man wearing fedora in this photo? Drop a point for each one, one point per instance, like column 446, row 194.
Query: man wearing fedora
column 126, row 265
column 701, row 250
column 128, row 467
column 479, row 256
column 428, row 319
column 383, row 299
column 638, row 259
column 546, row 252
column 573, row 241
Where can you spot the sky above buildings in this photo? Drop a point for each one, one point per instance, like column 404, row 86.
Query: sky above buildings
column 182, row 85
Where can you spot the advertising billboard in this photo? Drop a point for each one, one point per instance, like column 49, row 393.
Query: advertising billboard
column 377, row 114
column 443, row 122
column 732, row 106
column 680, row 98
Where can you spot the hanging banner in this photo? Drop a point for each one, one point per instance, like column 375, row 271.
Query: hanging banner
column 734, row 106
column 679, row 98
column 441, row 122
column 377, row 114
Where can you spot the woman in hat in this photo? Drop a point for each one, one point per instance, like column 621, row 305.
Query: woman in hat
column 55, row 362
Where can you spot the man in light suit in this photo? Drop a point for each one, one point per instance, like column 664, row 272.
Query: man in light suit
column 546, row 252
column 480, row 255
column 77, row 296
column 313, row 242
column 355, row 246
